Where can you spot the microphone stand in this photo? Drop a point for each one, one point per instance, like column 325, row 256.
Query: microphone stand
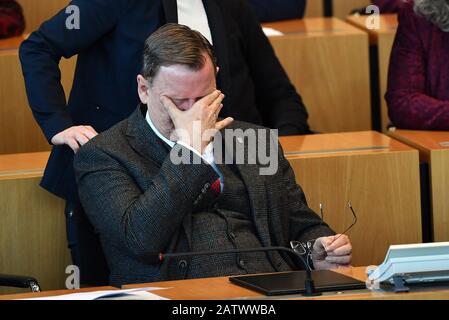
column 309, row 284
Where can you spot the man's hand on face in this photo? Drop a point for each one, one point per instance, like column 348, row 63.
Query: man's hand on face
column 332, row 252
column 197, row 125
column 74, row 137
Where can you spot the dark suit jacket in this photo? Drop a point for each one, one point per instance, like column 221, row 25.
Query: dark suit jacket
column 276, row 10
column 141, row 203
column 109, row 45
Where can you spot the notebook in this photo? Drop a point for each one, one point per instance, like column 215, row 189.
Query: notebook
column 293, row 282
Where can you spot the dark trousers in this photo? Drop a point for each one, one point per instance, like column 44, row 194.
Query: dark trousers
column 85, row 247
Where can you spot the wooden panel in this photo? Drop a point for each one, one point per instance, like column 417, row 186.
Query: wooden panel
column 328, row 62
column 32, row 225
column 381, row 180
column 343, row 8
column 340, row 143
column 36, row 12
column 19, row 131
column 314, row 8
column 22, row 164
column 439, row 169
column 434, row 150
column 11, row 43
column 383, row 38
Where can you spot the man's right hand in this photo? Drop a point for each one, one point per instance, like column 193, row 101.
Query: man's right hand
column 74, row 137
column 197, row 125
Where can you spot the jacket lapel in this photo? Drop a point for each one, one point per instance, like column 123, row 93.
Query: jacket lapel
column 143, row 140
column 255, row 187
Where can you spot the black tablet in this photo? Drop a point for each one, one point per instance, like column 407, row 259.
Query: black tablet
column 293, row 282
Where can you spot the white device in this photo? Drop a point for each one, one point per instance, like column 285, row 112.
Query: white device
column 412, row 264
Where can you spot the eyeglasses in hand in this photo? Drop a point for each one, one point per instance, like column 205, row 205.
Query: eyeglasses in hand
column 306, row 248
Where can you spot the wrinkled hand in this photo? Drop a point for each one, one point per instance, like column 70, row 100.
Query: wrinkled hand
column 197, row 126
column 74, row 137
column 332, row 252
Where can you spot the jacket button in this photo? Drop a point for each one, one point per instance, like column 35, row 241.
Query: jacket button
column 242, row 263
column 182, row 264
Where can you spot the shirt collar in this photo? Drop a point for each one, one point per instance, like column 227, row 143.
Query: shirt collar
column 156, row 131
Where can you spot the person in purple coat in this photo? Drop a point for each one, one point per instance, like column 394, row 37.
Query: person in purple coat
column 418, row 80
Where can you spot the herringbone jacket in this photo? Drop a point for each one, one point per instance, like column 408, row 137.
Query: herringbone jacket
column 141, row 202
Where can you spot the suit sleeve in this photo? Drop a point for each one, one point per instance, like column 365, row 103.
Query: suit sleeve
column 304, row 224
column 409, row 106
column 280, row 105
column 143, row 221
column 41, row 52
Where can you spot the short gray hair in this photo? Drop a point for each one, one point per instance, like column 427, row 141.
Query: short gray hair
column 175, row 44
column 436, row 11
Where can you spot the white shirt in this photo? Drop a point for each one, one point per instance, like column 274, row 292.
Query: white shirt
column 192, row 14
column 207, row 156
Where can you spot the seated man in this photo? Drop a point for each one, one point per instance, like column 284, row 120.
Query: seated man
column 154, row 183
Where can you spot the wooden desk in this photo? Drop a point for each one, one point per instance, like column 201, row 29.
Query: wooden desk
column 32, row 224
column 327, row 61
column 11, row 43
column 344, row 7
column 380, row 176
column 341, row 8
column 19, row 132
column 221, row 288
column 382, row 42
column 314, row 8
column 52, row 293
column 433, row 148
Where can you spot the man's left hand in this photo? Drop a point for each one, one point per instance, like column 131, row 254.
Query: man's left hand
column 332, row 252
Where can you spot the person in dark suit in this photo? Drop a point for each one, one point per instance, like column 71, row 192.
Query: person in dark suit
column 156, row 182
column 277, row 10
column 109, row 43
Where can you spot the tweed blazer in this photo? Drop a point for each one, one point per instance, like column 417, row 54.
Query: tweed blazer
column 141, row 202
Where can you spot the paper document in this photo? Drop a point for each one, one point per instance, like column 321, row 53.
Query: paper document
column 138, row 294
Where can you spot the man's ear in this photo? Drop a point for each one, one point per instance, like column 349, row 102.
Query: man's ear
column 142, row 88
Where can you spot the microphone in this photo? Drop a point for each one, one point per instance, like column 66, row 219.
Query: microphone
column 309, row 284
